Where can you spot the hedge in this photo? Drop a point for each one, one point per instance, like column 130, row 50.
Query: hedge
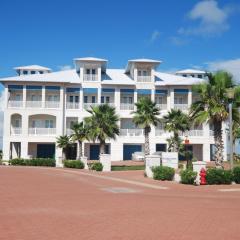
column 236, row 175
column 219, row 176
column 73, row 164
column 163, row 173
column 45, row 162
column 188, row 176
column 97, row 166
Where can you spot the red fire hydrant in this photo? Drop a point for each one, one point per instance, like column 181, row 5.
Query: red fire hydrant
column 203, row 177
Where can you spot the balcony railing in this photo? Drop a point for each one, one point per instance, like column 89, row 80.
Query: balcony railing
column 90, row 77
column 89, row 105
column 72, row 105
column 52, row 104
column 16, row 131
column 162, row 106
column 182, row 107
column 192, row 133
column 34, row 104
column 42, row 131
column 143, row 78
column 159, row 132
column 15, row 104
column 126, row 106
column 134, row 132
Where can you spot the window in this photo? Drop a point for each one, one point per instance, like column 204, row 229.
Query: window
column 144, row 73
column 25, row 72
column 107, row 99
column 76, row 99
column 85, row 99
column 48, row 123
column 102, row 99
column 41, row 72
column 93, row 71
column 178, row 100
column 159, row 100
column 33, row 72
column 17, row 123
column 88, row 71
column 192, row 75
column 200, row 76
column 71, row 99
column 184, row 75
column 18, row 97
column 139, row 73
column 93, row 99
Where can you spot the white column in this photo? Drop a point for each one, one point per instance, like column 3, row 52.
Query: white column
column 206, row 130
column 117, row 98
column 58, row 157
column 99, row 74
column 153, row 95
column 135, row 74
column 206, row 152
column 81, row 99
column 24, row 149
column 81, row 73
column 43, row 96
column 99, row 95
column 189, row 98
column 6, row 96
column 225, row 141
column 135, row 96
column 170, row 99
column 25, row 124
column 24, row 96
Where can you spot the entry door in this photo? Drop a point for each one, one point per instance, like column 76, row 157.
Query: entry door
column 128, row 150
column 95, row 151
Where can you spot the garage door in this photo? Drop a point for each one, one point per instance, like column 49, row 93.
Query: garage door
column 128, row 150
column 95, row 150
column 46, row 150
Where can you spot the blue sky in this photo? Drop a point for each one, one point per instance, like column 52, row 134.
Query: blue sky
column 180, row 33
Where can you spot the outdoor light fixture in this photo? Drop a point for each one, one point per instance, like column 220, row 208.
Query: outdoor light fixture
column 230, row 96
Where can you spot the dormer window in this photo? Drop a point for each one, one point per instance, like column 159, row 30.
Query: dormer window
column 90, row 75
column 25, row 72
column 41, row 72
column 144, row 76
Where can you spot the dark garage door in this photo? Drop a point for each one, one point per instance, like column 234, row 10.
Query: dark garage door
column 128, row 150
column 46, row 150
column 94, row 151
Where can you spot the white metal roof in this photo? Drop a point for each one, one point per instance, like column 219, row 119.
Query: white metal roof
column 112, row 76
column 91, row 59
column 33, row 67
column 189, row 71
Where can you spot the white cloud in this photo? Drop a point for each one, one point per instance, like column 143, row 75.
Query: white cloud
column 232, row 66
column 212, row 19
column 155, row 35
column 178, row 41
column 65, row 67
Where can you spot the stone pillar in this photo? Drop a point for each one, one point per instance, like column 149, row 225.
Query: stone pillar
column 197, row 166
column 105, row 159
column 151, row 161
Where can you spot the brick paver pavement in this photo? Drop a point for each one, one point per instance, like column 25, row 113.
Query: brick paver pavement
column 56, row 204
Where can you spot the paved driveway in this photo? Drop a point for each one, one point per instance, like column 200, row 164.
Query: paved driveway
column 51, row 203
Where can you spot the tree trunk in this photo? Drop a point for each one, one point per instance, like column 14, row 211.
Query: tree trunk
column 218, row 157
column 146, row 143
column 175, row 145
column 102, row 147
column 79, row 150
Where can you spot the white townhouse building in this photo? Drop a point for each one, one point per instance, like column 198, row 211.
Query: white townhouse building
column 41, row 105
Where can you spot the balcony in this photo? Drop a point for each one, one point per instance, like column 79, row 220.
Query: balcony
column 161, row 106
column 159, row 132
column 89, row 105
column 134, row 132
column 144, row 79
column 15, row 104
column 90, row 77
column 192, row 133
column 52, row 104
column 126, row 106
column 42, row 131
column 16, row 131
column 182, row 107
column 34, row 104
column 72, row 105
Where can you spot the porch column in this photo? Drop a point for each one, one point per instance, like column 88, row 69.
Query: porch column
column 81, row 99
column 206, row 152
column 24, row 149
column 99, row 95
column 43, row 96
column 135, row 98
column 24, row 96
column 170, row 99
column 117, row 99
column 189, row 98
column 25, row 124
column 153, row 95
column 6, row 96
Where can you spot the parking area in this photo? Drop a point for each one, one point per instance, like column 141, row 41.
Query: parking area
column 52, row 203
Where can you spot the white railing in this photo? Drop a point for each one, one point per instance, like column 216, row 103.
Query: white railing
column 143, row 78
column 69, row 131
column 134, row 132
column 162, row 106
column 126, row 106
column 72, row 105
column 52, row 104
column 15, row 104
column 182, row 107
column 16, row 131
column 34, row 104
column 90, row 77
column 42, row 131
column 89, row 105
column 192, row 133
column 111, row 104
column 159, row 132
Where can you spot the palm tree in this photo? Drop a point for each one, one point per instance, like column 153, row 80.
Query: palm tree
column 212, row 107
column 176, row 121
column 144, row 117
column 102, row 124
column 79, row 135
column 63, row 142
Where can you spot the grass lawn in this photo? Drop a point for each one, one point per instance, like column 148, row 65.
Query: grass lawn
column 127, row 168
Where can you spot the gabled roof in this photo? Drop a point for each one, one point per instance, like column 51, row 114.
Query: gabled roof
column 189, row 71
column 33, row 67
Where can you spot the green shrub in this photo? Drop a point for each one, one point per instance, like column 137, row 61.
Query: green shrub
column 44, row 162
column 188, row 176
column 73, row 164
column 17, row 161
column 219, row 176
column 97, row 166
column 236, row 175
column 163, row 173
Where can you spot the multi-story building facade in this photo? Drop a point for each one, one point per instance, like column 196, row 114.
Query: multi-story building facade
column 41, row 105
